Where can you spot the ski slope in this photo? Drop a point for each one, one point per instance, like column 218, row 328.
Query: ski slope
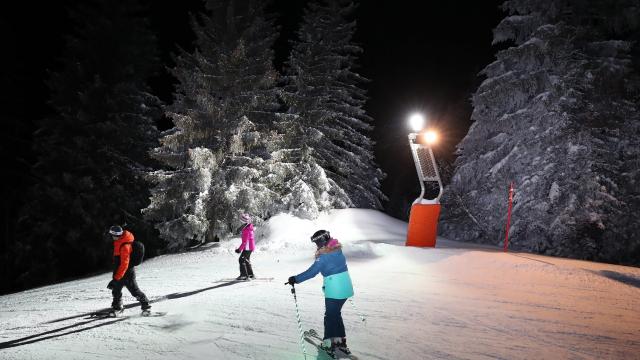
column 455, row 301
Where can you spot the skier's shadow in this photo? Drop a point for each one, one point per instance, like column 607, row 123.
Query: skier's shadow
column 172, row 296
column 620, row 277
column 189, row 293
column 56, row 332
column 40, row 337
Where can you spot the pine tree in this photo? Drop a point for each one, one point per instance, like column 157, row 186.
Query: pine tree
column 92, row 155
column 225, row 103
column 15, row 147
column 558, row 115
column 184, row 194
column 327, row 124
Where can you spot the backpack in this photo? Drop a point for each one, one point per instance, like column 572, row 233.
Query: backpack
column 137, row 253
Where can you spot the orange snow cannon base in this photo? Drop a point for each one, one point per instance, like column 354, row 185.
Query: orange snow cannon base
column 423, row 225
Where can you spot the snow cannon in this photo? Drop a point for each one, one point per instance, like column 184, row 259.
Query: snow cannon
column 423, row 219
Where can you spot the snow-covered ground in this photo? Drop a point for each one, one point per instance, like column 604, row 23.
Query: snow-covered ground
column 455, row 301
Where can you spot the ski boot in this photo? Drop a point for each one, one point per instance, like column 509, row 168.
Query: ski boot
column 146, row 310
column 329, row 347
column 115, row 312
column 242, row 278
column 342, row 346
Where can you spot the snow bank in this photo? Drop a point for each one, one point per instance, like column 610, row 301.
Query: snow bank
column 357, row 227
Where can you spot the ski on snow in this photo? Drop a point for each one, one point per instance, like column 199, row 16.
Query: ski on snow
column 120, row 314
column 313, row 338
column 248, row 279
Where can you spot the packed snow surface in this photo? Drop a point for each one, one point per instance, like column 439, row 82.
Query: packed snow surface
column 455, row 301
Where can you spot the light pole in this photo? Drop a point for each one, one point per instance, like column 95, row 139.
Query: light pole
column 423, row 219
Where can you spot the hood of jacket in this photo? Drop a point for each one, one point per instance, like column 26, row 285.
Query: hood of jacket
column 126, row 237
column 332, row 246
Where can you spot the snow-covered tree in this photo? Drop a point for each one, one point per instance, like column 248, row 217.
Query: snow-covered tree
column 184, row 194
column 93, row 153
column 558, row 114
column 225, row 103
column 327, row 125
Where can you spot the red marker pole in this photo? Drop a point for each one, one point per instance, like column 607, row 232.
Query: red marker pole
column 506, row 236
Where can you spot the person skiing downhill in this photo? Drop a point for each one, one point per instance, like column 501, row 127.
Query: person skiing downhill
column 337, row 288
column 245, row 249
column 123, row 274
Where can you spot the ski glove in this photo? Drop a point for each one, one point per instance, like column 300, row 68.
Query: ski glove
column 292, row 280
column 237, row 251
column 112, row 284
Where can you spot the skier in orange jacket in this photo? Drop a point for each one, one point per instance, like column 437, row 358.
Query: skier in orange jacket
column 123, row 274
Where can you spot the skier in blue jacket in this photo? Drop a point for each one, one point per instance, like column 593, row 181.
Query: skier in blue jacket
column 337, row 288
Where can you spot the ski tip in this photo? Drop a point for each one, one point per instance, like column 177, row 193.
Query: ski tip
column 153, row 313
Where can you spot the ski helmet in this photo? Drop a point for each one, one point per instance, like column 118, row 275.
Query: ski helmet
column 116, row 230
column 245, row 218
column 321, row 238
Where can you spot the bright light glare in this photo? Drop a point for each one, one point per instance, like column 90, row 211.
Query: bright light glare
column 416, row 121
column 430, row 137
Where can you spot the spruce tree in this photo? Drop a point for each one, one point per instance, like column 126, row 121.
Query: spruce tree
column 15, row 146
column 92, row 155
column 558, row 115
column 327, row 124
column 224, row 106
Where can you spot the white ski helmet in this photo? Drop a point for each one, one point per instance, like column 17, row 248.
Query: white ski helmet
column 116, row 230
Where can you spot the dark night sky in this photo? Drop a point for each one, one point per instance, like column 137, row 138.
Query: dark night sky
column 421, row 58
column 419, row 55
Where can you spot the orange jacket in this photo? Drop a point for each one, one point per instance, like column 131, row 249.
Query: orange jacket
column 122, row 250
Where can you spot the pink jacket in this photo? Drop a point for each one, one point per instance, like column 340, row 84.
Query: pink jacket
column 247, row 239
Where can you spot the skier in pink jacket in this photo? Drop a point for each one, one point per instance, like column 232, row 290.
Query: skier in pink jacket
column 246, row 247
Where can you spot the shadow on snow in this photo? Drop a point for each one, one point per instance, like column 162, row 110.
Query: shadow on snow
column 27, row 340
column 623, row 278
column 43, row 336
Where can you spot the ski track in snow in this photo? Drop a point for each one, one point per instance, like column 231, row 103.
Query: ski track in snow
column 457, row 301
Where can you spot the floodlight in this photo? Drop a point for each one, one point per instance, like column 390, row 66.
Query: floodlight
column 416, row 122
column 430, row 137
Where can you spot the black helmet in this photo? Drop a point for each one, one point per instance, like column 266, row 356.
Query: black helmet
column 321, row 238
column 116, row 230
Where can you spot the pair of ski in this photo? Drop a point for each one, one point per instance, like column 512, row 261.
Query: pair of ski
column 247, row 279
column 313, row 338
column 119, row 314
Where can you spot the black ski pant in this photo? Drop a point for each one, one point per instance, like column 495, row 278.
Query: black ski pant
column 245, row 264
column 333, row 324
column 128, row 281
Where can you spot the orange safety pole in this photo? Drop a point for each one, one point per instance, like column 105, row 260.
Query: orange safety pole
column 506, row 237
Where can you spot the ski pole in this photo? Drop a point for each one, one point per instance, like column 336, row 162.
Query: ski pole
column 295, row 300
column 356, row 310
